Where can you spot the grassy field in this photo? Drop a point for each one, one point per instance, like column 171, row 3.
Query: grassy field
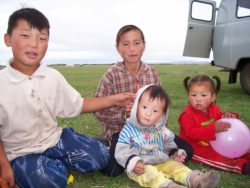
column 85, row 79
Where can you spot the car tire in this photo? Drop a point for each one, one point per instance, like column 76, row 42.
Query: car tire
column 245, row 78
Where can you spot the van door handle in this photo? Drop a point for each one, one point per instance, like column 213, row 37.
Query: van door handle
column 191, row 27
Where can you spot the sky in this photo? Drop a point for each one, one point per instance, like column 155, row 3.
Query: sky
column 84, row 31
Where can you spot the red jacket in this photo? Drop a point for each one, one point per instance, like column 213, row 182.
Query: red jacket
column 198, row 128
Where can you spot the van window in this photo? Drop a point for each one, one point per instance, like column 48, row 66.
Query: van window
column 202, row 11
column 243, row 8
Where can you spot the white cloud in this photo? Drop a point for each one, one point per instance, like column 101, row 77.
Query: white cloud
column 87, row 28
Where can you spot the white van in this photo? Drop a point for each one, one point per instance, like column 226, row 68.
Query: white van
column 225, row 30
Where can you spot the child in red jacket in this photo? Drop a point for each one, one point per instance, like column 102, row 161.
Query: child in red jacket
column 198, row 124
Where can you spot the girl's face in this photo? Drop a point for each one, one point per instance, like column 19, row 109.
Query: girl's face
column 201, row 96
column 28, row 45
column 131, row 47
column 149, row 111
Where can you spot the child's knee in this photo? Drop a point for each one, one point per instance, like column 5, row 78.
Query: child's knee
column 152, row 177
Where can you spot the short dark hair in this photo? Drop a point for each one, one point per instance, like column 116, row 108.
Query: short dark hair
column 157, row 92
column 35, row 19
column 126, row 29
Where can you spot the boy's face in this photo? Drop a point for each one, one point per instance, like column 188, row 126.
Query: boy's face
column 28, row 45
column 149, row 111
column 131, row 47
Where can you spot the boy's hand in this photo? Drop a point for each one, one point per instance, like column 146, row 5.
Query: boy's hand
column 221, row 126
column 7, row 177
column 3, row 184
column 125, row 99
column 139, row 168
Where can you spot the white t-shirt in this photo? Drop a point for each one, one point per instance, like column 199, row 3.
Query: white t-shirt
column 29, row 106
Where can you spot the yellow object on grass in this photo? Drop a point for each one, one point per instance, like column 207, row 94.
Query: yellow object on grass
column 70, row 179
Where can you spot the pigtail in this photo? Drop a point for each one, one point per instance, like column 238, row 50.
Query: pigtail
column 218, row 83
column 185, row 83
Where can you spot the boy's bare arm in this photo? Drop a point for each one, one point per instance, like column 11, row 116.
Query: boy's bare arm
column 99, row 103
column 6, row 173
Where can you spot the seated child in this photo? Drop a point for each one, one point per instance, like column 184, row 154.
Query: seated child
column 198, row 124
column 146, row 148
column 34, row 150
column 128, row 75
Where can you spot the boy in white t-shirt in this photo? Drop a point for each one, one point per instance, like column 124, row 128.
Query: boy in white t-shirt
column 34, row 151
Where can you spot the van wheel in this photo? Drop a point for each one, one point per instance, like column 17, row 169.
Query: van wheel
column 245, row 78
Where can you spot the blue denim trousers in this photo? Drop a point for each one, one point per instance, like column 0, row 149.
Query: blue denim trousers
column 49, row 169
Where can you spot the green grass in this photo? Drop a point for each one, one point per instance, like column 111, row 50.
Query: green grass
column 85, row 79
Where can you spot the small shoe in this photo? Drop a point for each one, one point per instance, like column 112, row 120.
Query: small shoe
column 204, row 179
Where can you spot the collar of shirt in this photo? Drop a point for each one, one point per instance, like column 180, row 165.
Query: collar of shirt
column 16, row 76
column 143, row 68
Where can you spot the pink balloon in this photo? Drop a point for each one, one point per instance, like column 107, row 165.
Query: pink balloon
column 232, row 143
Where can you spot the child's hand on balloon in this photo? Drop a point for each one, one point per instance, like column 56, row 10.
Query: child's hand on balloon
column 221, row 126
column 233, row 143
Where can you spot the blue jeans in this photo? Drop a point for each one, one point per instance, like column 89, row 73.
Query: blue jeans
column 49, row 169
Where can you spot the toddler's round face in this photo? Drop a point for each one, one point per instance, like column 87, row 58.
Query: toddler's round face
column 200, row 96
column 149, row 111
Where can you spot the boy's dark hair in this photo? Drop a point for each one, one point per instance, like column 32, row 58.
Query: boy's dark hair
column 35, row 19
column 157, row 92
column 199, row 79
column 126, row 29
